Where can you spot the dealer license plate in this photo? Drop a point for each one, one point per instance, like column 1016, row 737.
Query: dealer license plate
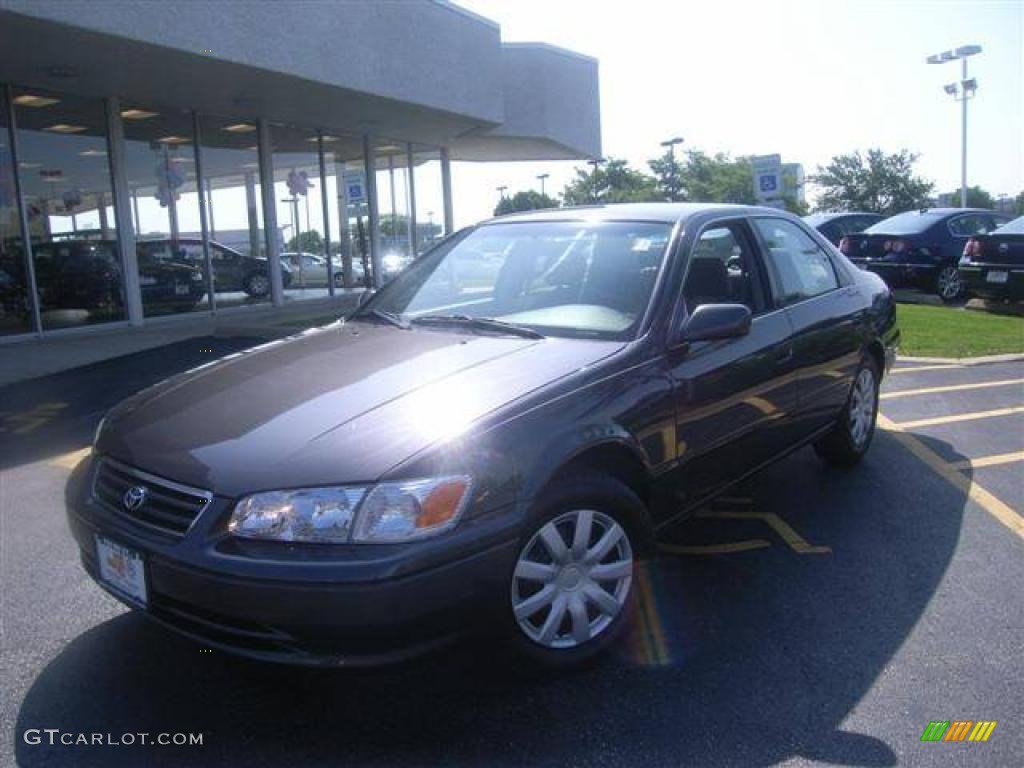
column 122, row 568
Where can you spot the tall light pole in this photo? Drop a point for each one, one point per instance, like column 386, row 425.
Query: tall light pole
column 501, row 192
column 595, row 163
column 542, row 177
column 961, row 91
column 671, row 145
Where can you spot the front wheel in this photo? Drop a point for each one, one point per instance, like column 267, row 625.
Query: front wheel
column 851, row 437
column 571, row 589
column 949, row 285
column 257, row 285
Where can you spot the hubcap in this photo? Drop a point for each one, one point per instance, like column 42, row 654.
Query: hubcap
column 572, row 579
column 259, row 285
column 862, row 407
column 949, row 283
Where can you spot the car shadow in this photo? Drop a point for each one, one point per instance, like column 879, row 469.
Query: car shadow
column 742, row 659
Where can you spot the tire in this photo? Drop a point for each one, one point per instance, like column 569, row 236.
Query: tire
column 949, row 285
column 257, row 285
column 593, row 611
column 851, row 437
column 339, row 280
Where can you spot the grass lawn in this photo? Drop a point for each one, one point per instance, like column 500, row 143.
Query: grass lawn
column 948, row 332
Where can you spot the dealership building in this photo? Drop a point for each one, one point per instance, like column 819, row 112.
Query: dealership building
column 163, row 159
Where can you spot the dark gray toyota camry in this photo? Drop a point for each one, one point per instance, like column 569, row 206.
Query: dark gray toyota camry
column 491, row 442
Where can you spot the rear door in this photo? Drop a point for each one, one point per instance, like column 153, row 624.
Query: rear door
column 732, row 395
column 823, row 306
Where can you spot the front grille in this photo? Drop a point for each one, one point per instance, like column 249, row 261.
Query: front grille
column 167, row 506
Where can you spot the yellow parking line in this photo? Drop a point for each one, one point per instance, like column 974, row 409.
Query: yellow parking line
column 715, row 549
column 70, row 460
column 989, row 461
column 994, row 506
column 958, row 417
column 796, row 542
column 915, row 369
column 950, row 388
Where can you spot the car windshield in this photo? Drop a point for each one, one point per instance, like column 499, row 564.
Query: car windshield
column 909, row 223
column 558, row 278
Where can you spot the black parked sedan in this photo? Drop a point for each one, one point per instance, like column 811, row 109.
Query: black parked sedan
column 489, row 452
column 836, row 226
column 920, row 249
column 232, row 271
column 992, row 265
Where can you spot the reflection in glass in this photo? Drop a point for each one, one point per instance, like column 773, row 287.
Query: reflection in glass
column 231, row 171
column 15, row 309
column 429, row 197
column 298, row 197
column 66, row 182
column 347, row 209
column 393, row 205
column 160, row 165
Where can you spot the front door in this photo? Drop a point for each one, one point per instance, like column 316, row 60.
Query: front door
column 732, row 396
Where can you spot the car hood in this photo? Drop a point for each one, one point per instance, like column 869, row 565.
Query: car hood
column 336, row 405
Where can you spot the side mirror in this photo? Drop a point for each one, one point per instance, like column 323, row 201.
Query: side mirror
column 717, row 321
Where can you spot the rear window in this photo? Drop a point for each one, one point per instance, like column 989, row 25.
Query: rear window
column 909, row 223
column 1015, row 227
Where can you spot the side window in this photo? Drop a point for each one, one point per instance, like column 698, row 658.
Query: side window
column 721, row 269
column 803, row 269
column 221, row 254
column 966, row 226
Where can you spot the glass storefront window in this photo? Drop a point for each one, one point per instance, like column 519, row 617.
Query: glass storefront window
column 298, row 197
column 66, row 183
column 15, row 308
column 160, row 164
column 231, row 171
column 429, row 197
column 393, row 208
column 347, row 209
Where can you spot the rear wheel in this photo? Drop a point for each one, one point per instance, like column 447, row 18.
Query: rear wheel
column 849, row 440
column 257, row 284
column 571, row 589
column 949, row 285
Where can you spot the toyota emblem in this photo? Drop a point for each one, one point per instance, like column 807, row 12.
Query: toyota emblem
column 134, row 497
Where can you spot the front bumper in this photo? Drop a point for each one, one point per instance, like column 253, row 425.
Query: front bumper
column 350, row 605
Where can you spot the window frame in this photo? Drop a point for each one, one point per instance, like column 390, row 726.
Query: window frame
column 775, row 279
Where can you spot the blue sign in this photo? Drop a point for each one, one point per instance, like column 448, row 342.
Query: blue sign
column 768, row 182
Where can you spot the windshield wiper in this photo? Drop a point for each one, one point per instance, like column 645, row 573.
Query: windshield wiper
column 389, row 317
column 481, row 323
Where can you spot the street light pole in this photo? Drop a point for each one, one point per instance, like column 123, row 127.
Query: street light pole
column 671, row 144
column 542, row 177
column 961, row 92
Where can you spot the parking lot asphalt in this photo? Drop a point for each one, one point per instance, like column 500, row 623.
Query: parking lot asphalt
column 813, row 616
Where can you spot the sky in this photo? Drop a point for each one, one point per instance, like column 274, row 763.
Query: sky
column 807, row 80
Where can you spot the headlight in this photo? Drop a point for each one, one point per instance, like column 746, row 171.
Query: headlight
column 315, row 514
column 388, row 512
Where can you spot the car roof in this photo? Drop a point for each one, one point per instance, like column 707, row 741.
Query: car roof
column 949, row 211
column 668, row 213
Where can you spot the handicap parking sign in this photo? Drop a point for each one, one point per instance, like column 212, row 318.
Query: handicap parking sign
column 768, row 182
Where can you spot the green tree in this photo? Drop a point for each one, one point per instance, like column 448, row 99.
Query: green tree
column 976, row 198
column 670, row 172
column 394, row 226
column 309, row 242
column 1019, row 204
column 874, row 182
column 612, row 182
column 527, row 200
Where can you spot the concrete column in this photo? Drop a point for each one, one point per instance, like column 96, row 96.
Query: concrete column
column 252, row 214
column 413, row 234
column 26, row 231
column 205, row 204
column 327, row 218
column 122, row 211
column 446, row 191
column 270, row 213
column 369, row 160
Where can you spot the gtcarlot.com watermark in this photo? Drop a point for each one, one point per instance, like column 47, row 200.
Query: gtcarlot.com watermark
column 55, row 736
